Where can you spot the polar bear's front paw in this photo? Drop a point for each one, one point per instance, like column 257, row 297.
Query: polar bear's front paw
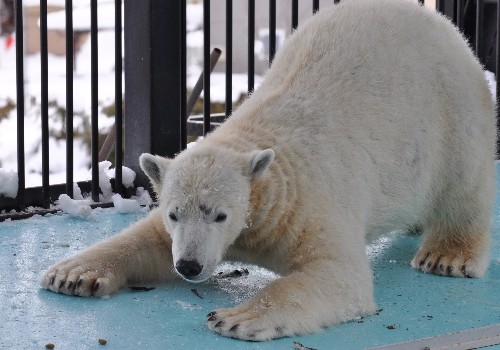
column 81, row 278
column 246, row 325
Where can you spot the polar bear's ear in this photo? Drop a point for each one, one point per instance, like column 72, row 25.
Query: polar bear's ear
column 259, row 162
column 155, row 168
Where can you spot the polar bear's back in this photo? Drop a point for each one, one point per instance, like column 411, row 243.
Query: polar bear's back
column 374, row 94
column 376, row 69
column 392, row 50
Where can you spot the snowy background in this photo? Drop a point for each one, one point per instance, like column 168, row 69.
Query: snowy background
column 82, row 94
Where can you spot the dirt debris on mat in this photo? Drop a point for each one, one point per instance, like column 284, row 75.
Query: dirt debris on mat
column 141, row 289
column 234, row 273
column 299, row 346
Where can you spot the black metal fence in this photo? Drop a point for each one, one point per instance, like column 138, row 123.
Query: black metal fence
column 155, row 80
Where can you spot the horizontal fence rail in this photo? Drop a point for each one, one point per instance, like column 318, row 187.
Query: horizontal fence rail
column 156, row 119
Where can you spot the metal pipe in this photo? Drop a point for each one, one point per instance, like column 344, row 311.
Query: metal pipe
column 198, row 87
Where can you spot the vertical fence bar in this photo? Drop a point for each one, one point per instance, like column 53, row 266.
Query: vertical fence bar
column 479, row 28
column 44, row 103
column 295, row 14
column 118, row 98
column 152, row 81
column 460, row 14
column 497, row 74
column 440, row 5
column 229, row 58
column 272, row 30
column 94, row 101
column 20, row 104
column 315, row 6
column 69, row 96
column 183, row 77
column 206, row 67
column 251, row 45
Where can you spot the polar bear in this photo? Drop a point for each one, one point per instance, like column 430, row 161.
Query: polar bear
column 375, row 116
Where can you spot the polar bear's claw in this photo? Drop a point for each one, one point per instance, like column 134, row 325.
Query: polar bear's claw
column 454, row 260
column 245, row 326
column 81, row 278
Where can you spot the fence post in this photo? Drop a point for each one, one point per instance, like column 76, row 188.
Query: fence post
column 152, row 80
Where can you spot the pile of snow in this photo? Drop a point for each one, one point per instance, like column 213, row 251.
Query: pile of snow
column 492, row 83
column 105, row 176
column 142, row 197
column 128, row 176
column 8, row 183
column 104, row 180
column 123, row 205
column 74, row 207
column 80, row 207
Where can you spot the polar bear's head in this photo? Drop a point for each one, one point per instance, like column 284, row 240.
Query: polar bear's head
column 204, row 196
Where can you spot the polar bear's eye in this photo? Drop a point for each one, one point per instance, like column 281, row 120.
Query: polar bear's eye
column 221, row 217
column 172, row 217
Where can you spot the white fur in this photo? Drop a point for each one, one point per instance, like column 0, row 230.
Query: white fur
column 375, row 116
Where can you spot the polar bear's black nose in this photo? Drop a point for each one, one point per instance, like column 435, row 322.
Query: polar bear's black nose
column 188, row 268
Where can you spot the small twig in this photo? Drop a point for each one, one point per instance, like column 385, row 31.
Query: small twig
column 196, row 292
column 141, row 289
column 234, row 273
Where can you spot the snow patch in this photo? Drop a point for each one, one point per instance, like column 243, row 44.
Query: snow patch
column 188, row 306
column 8, row 183
column 105, row 176
column 77, row 192
column 123, row 205
column 104, row 180
column 142, row 196
column 74, row 207
column 128, row 176
column 492, row 83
